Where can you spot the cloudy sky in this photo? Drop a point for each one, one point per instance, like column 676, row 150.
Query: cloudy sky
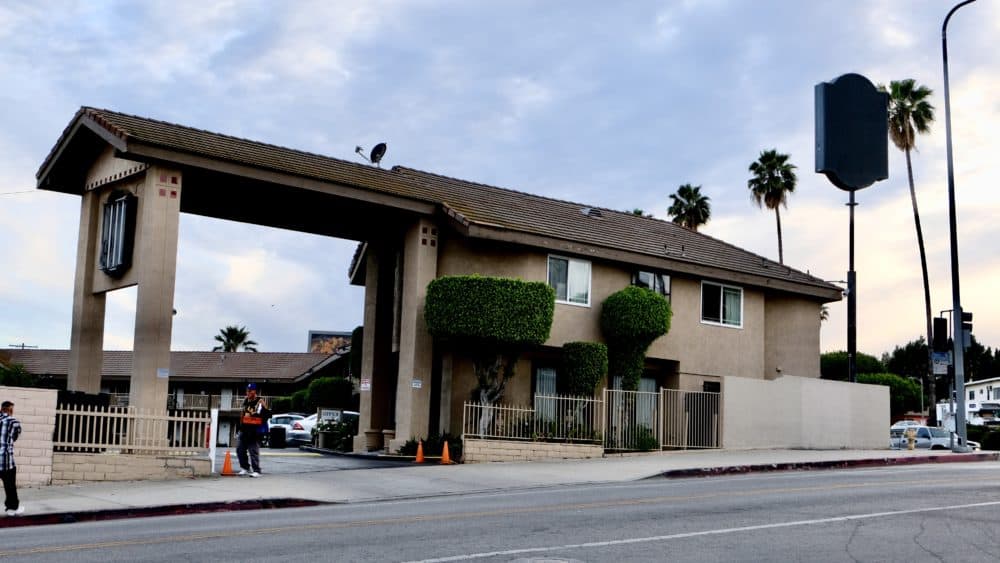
column 587, row 101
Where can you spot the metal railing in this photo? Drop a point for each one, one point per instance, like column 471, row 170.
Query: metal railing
column 93, row 429
column 552, row 418
column 621, row 420
column 691, row 419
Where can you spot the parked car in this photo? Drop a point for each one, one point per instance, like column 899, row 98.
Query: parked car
column 927, row 437
column 301, row 431
column 285, row 421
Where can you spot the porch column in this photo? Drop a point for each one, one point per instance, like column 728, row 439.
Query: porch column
column 420, row 252
column 157, row 225
column 86, row 350
column 370, row 420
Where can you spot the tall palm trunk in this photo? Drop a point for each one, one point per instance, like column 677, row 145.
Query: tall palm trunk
column 781, row 253
column 929, row 376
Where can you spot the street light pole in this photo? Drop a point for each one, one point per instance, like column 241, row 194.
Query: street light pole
column 959, row 354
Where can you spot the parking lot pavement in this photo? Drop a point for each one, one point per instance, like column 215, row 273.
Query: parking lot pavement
column 293, row 460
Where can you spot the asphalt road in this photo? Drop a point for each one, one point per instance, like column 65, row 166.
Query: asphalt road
column 946, row 512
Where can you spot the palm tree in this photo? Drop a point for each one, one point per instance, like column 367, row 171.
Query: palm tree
column 233, row 338
column 910, row 113
column 773, row 179
column 824, row 313
column 689, row 207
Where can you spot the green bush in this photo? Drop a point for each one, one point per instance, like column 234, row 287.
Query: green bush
column 631, row 319
column 492, row 320
column 300, row 401
column 833, row 365
column 645, row 441
column 17, row 376
column 434, row 446
column 904, row 393
column 499, row 310
column 341, row 435
column 334, row 392
column 281, row 405
column 585, row 364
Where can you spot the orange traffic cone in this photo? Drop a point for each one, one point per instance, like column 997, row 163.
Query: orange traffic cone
column 420, row 451
column 445, row 458
column 227, row 466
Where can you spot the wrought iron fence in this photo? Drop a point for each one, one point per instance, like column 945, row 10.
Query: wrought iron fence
column 691, row 419
column 551, row 418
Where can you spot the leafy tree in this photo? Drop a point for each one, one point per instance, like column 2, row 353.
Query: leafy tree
column 15, row 375
column 904, row 393
column 301, row 402
column 773, row 179
column 493, row 320
column 980, row 362
column 585, row 365
column 631, row 319
column 640, row 213
column 689, row 207
column 833, row 365
column 232, row 338
column 910, row 113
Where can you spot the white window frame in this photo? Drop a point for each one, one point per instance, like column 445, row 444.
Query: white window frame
column 569, row 265
column 722, row 295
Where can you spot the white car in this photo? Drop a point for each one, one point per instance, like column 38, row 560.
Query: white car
column 282, row 421
column 301, row 431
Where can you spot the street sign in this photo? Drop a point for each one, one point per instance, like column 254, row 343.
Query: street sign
column 941, row 362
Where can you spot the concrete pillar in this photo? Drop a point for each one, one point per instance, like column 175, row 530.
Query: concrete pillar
column 155, row 267
column 420, row 252
column 86, row 351
column 369, row 433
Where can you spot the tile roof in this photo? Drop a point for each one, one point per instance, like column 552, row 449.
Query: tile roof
column 471, row 204
column 214, row 366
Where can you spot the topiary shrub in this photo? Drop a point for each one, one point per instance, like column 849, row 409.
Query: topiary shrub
column 904, row 393
column 281, row 404
column 335, row 392
column 492, row 320
column 631, row 319
column 300, row 401
column 585, row 364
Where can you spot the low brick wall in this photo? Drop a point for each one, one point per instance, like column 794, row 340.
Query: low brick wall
column 35, row 409
column 70, row 468
column 483, row 451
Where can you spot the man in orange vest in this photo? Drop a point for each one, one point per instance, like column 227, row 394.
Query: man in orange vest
column 253, row 422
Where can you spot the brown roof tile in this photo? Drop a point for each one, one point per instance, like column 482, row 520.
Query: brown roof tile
column 217, row 366
column 469, row 203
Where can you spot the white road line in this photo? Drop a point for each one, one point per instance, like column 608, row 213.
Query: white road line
column 848, row 518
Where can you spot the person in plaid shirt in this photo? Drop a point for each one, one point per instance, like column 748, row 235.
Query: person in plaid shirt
column 10, row 429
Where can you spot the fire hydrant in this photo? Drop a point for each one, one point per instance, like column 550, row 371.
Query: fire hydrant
column 911, row 438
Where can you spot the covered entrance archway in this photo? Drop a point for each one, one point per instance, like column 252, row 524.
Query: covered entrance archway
column 135, row 176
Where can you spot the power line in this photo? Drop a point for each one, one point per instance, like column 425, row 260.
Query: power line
column 16, row 193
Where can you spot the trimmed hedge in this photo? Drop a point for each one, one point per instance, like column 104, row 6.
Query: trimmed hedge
column 631, row 319
column 334, row 392
column 585, row 364
column 301, row 403
column 502, row 311
column 904, row 393
column 833, row 365
column 281, row 405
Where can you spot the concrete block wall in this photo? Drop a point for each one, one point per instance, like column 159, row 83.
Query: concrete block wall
column 70, row 468
column 35, row 409
column 484, row 451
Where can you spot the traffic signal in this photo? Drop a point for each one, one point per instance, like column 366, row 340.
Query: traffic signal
column 940, row 334
column 966, row 322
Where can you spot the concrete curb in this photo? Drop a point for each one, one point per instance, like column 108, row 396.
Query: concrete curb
column 838, row 464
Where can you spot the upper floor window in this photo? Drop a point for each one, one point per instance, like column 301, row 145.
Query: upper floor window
column 571, row 280
column 721, row 304
column 118, row 233
column 660, row 283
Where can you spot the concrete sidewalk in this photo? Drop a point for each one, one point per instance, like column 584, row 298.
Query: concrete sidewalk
column 70, row 501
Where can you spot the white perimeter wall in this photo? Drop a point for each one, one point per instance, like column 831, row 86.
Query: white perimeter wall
column 35, row 409
column 800, row 412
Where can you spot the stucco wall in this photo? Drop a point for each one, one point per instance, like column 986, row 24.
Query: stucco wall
column 791, row 340
column 35, row 409
column 798, row 412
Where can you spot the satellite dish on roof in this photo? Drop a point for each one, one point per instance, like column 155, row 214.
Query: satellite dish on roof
column 378, row 151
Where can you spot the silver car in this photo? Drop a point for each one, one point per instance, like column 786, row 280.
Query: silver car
column 301, row 430
column 285, row 421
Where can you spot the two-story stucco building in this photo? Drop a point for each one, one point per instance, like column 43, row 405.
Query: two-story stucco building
column 735, row 313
